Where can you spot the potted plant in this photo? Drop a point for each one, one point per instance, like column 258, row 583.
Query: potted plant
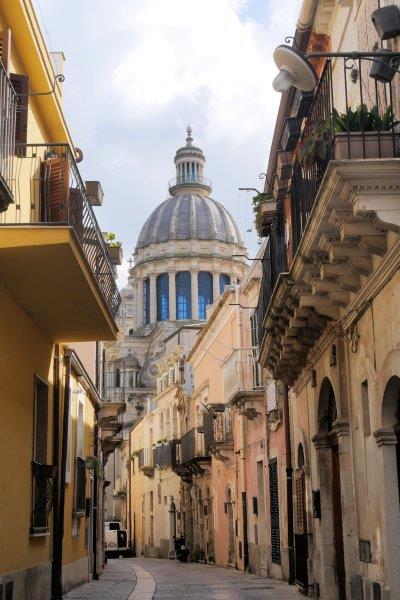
column 363, row 133
column 114, row 248
column 264, row 209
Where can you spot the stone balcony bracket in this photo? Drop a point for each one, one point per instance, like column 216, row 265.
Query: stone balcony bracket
column 350, row 239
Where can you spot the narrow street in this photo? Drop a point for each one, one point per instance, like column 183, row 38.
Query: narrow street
column 147, row 579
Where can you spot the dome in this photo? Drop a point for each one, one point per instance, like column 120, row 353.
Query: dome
column 189, row 216
column 129, row 361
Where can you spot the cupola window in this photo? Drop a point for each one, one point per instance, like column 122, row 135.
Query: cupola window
column 205, row 292
column 224, row 280
column 183, row 295
column 163, row 297
column 146, row 301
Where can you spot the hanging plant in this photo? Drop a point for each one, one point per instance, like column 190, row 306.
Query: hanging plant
column 95, row 465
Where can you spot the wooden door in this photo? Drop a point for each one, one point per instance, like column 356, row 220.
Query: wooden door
column 338, row 524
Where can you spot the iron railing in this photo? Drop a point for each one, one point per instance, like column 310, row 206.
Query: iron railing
column 146, row 458
column 192, row 446
column 241, row 372
column 190, row 179
column 43, row 480
column 48, row 189
column 218, row 428
column 333, row 131
column 8, row 114
column 163, row 455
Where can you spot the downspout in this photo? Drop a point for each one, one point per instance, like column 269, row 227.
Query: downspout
column 95, row 492
column 130, row 493
column 56, row 457
column 289, row 483
column 63, row 470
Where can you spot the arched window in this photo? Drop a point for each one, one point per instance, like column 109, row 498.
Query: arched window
column 183, row 295
column 205, row 292
column 117, row 378
column 224, row 280
column 146, row 301
column 163, row 297
column 130, row 332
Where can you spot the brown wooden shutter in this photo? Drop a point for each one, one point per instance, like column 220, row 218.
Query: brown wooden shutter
column 54, row 190
column 5, row 48
column 80, row 485
column 300, row 516
column 274, row 511
column 20, row 84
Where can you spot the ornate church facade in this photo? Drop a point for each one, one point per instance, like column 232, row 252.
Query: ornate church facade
column 188, row 250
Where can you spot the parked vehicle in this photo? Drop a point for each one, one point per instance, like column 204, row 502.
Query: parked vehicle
column 116, row 540
column 181, row 549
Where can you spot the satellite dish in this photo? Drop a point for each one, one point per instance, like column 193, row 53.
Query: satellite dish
column 294, row 69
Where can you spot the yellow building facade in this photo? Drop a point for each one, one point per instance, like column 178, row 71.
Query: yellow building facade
column 57, row 287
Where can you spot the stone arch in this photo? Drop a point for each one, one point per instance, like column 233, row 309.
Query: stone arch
column 388, row 440
column 327, row 407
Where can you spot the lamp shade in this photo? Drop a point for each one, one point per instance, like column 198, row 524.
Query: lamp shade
column 294, row 69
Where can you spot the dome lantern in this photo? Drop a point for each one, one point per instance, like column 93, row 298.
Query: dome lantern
column 189, row 161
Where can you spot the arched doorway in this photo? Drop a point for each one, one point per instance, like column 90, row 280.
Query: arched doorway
column 389, row 439
column 327, row 446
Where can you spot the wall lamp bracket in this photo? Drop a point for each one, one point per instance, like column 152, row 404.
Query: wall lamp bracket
column 57, row 78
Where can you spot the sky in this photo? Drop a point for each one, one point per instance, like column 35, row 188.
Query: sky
column 139, row 71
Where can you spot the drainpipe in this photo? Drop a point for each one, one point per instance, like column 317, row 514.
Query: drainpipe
column 57, row 559
column 56, row 450
column 289, row 483
column 130, row 493
column 95, row 508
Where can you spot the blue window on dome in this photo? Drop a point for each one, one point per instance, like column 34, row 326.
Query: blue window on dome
column 183, row 295
column 224, row 280
column 163, row 297
column 146, row 301
column 205, row 292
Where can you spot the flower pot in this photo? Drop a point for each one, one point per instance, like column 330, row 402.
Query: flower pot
column 290, row 134
column 387, row 21
column 381, row 69
column 376, row 145
column 115, row 254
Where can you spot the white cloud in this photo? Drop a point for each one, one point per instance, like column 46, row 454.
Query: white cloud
column 207, row 55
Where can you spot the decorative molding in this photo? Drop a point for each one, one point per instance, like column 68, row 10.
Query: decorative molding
column 385, row 437
column 341, row 427
column 321, row 441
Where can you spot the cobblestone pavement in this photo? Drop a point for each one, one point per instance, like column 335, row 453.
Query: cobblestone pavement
column 154, row 579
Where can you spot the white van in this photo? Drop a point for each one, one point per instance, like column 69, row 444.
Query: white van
column 116, row 540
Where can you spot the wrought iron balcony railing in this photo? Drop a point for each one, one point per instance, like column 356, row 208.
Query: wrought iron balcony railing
column 190, row 180
column 192, row 446
column 48, row 189
column 163, row 455
column 8, row 114
column 218, row 428
column 241, row 372
column 351, row 117
column 43, row 479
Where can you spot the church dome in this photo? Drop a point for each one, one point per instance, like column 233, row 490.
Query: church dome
column 189, row 216
column 189, row 213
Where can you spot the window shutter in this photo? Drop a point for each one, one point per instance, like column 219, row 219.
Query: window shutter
column 255, row 505
column 254, row 329
column 5, row 48
column 299, row 482
column 20, row 84
column 54, row 191
column 274, row 511
column 80, row 486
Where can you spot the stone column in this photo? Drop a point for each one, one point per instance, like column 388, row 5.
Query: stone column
column 139, row 284
column 153, row 298
column 216, row 292
column 172, row 296
column 195, row 295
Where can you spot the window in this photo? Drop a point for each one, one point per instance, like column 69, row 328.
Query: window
column 183, row 295
column 223, row 281
column 205, row 292
column 130, row 332
column 163, row 297
column 146, row 301
column 365, row 408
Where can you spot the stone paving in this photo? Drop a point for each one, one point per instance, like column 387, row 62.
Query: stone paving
column 155, row 579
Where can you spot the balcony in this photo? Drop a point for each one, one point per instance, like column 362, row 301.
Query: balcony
column 146, row 461
column 110, row 427
column 51, row 235
column 193, row 454
column 163, row 455
column 8, row 112
column 218, row 433
column 189, row 181
column 242, row 381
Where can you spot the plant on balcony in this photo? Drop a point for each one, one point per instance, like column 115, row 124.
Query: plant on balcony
column 258, row 202
column 94, row 464
column 314, row 148
column 362, row 119
column 111, row 241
